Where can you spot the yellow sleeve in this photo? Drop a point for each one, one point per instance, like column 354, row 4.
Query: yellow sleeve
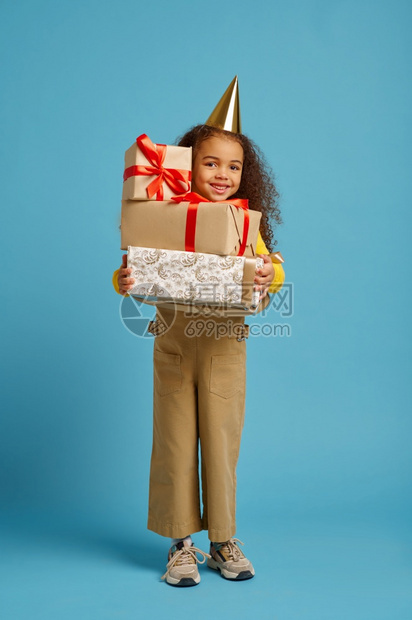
column 279, row 276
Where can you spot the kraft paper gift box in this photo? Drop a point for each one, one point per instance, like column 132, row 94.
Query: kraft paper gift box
column 156, row 171
column 219, row 227
column 193, row 278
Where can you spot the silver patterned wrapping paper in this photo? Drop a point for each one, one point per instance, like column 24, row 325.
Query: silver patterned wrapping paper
column 193, row 277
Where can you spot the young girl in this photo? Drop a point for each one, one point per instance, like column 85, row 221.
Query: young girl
column 199, row 382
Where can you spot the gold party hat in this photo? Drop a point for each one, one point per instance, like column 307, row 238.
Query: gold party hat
column 226, row 114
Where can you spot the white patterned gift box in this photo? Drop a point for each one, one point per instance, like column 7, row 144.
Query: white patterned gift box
column 193, row 278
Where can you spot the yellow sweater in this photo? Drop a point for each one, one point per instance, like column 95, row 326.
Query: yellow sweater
column 277, row 281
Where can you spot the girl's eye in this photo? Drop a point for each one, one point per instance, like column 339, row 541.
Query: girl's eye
column 234, row 167
column 210, row 164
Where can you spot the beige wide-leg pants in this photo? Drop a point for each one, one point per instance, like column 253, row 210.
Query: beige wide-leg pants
column 199, row 396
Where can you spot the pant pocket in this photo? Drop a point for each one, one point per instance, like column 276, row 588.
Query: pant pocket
column 167, row 372
column 227, row 375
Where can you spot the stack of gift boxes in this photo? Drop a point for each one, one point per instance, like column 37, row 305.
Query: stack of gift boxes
column 181, row 248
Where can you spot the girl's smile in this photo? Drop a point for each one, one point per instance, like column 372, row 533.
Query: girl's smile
column 217, row 168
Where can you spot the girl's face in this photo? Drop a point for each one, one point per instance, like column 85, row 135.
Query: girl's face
column 217, row 168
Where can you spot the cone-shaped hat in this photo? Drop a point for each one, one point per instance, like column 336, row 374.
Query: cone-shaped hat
column 226, row 114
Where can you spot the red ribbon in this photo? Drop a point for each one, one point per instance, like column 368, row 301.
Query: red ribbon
column 176, row 179
column 194, row 199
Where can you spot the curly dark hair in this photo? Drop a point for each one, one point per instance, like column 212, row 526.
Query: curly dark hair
column 257, row 183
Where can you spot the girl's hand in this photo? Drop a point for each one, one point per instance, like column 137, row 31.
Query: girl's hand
column 124, row 280
column 264, row 276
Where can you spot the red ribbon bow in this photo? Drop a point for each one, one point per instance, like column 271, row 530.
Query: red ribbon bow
column 176, row 179
column 194, row 199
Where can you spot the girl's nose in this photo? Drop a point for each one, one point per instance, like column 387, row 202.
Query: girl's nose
column 221, row 173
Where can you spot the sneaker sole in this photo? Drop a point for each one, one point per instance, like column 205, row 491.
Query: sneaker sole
column 185, row 582
column 245, row 574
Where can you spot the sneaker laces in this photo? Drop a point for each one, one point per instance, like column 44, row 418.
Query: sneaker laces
column 232, row 550
column 184, row 557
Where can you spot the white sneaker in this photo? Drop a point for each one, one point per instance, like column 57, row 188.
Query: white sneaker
column 181, row 569
column 230, row 560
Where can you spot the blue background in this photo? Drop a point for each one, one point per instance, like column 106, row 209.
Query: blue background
column 324, row 501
